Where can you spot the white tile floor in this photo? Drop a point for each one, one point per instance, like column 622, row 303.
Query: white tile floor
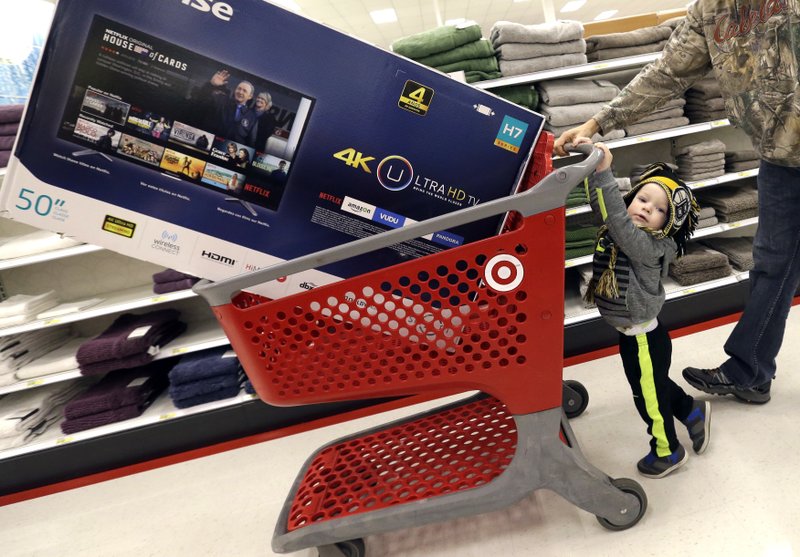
column 739, row 498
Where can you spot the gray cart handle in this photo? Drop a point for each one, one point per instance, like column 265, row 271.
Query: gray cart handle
column 548, row 194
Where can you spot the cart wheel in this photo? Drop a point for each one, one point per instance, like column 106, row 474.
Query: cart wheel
column 347, row 548
column 627, row 485
column 576, row 398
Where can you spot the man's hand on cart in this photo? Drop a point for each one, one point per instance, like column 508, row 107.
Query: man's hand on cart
column 607, row 156
column 587, row 129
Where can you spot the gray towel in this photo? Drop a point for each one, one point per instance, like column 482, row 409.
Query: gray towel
column 697, row 258
column 523, row 51
column 741, row 156
column 558, row 130
column 660, row 115
column 705, row 275
column 728, row 200
column 556, row 32
column 566, row 92
column 520, row 67
column 700, row 175
column 702, row 148
column 643, row 36
column 693, row 159
column 700, row 167
column 656, row 125
column 706, row 222
column 569, row 115
column 623, row 52
column 700, row 116
column 706, row 213
column 738, row 215
column 742, row 166
column 738, row 250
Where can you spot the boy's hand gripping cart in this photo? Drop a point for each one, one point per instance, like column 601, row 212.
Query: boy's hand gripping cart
column 485, row 316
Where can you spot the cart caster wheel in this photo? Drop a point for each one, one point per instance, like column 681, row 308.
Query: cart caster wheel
column 576, row 398
column 628, row 486
column 348, row 548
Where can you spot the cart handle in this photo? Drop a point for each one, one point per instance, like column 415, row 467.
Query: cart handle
column 550, row 193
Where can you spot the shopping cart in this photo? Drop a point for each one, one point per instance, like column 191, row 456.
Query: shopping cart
column 486, row 316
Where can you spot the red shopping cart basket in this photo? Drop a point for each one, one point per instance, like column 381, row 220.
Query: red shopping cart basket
column 487, row 316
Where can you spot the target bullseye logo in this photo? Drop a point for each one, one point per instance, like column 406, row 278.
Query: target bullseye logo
column 504, row 272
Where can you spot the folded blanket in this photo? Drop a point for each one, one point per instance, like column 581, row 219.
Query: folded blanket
column 708, row 221
column 744, row 214
column 203, row 387
column 74, row 425
column 697, row 258
column 581, row 233
column 473, row 76
column 699, row 167
column 122, row 388
column 28, row 304
column 9, row 129
column 739, row 250
column 623, row 52
column 561, row 31
column 205, row 364
column 519, row 67
column 68, row 308
column 7, row 142
column 704, row 275
column 643, row 36
column 524, row 95
column 741, row 156
column 481, row 48
column 655, row 125
column 32, row 243
column 569, row 115
column 55, row 361
column 164, row 287
column 729, row 199
column 10, row 113
column 129, row 334
column 523, row 51
column 488, row 64
column 701, row 148
column 440, row 39
column 566, row 92
column 741, row 166
column 221, row 394
column 691, row 159
column 700, row 175
column 170, row 275
column 706, row 212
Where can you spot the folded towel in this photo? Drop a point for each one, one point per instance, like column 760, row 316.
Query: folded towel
column 728, row 200
column 706, row 212
column 692, row 159
column 655, row 125
column 164, row 287
column 699, row 116
column 122, row 388
column 717, row 103
column 524, row 95
column 9, row 129
column 736, row 216
column 488, row 64
column 4, row 158
column 473, row 76
column 741, row 166
column 56, row 361
column 569, row 115
column 440, row 39
column 481, row 48
column 662, row 114
column 574, row 253
column 221, row 394
column 28, row 304
column 26, row 348
column 170, row 275
column 562, row 31
column 697, row 258
column 581, row 233
column 623, row 52
column 558, row 130
column 204, row 364
column 24, row 415
column 205, row 386
column 33, row 243
column 519, row 67
column 566, row 92
column 697, row 277
column 74, row 425
column 10, row 113
column 523, row 51
column 68, row 308
column 129, row 334
column 708, row 221
column 7, row 142
column 739, row 250
column 741, row 156
column 701, row 148
column 643, row 36
column 693, row 167
column 706, row 88
column 700, row 175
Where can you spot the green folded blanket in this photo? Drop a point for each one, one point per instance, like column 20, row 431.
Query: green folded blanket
column 572, row 253
column 524, row 95
column 581, row 234
column 474, row 76
column 436, row 40
column 481, row 48
column 488, row 64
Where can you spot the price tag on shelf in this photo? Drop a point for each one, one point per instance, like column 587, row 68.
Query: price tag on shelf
column 719, row 123
column 65, row 440
column 570, row 263
column 157, row 299
column 601, row 66
column 167, row 416
column 34, row 383
column 642, row 139
column 49, row 322
column 181, row 350
column 736, row 224
column 687, row 292
column 697, row 185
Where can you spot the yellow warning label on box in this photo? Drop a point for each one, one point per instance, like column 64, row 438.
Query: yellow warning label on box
column 415, row 98
column 119, row 226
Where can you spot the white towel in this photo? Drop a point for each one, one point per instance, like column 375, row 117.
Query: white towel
column 61, row 359
column 68, row 307
column 35, row 242
column 27, row 304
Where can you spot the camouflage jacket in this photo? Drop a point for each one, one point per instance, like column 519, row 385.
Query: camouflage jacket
column 753, row 47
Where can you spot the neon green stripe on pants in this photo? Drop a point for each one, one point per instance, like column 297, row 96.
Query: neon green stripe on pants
column 648, row 385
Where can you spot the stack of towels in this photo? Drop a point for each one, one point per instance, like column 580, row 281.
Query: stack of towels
column 205, row 377
column 669, row 115
column 738, row 250
column 54, row 361
column 19, row 350
column 701, row 161
column 699, row 264
column 21, row 308
column 170, row 280
column 732, row 203
column 637, row 169
column 452, row 48
column 704, row 101
column 738, row 161
column 116, row 397
column 580, row 240
column 40, row 241
column 707, row 217
column 130, row 341
column 523, row 49
column 566, row 103
column 523, row 95
column 10, row 117
column 27, row 414
column 628, row 43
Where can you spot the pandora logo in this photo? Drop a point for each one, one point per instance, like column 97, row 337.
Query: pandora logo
column 220, row 10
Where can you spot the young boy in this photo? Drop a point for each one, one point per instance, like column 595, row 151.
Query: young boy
column 641, row 234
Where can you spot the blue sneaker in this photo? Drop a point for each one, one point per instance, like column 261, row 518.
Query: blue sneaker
column 652, row 466
column 698, row 422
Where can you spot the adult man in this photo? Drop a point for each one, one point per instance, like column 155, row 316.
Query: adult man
column 266, row 120
column 752, row 47
column 230, row 115
column 279, row 174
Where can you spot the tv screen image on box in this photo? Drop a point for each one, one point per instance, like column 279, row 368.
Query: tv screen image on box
column 210, row 123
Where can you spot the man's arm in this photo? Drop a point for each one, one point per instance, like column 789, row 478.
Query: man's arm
column 685, row 60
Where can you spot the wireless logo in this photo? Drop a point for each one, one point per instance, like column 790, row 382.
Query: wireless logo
column 169, row 237
column 395, row 173
column 504, row 272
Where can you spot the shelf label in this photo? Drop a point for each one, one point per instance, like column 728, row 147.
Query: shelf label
column 735, row 224
column 64, row 440
column 54, row 321
column 570, row 263
column 34, row 383
column 643, row 138
column 157, row 299
column 718, row 123
column 699, row 185
column 181, row 350
column 167, row 416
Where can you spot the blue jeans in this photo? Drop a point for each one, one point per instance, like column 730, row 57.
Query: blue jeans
column 757, row 337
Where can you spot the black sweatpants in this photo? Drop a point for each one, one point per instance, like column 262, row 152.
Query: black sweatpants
column 646, row 358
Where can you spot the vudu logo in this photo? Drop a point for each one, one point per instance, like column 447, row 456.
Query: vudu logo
column 169, row 237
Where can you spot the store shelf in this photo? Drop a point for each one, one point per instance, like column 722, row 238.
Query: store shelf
column 47, row 256
column 722, row 227
column 581, row 70
column 198, row 336
column 724, row 179
column 113, row 302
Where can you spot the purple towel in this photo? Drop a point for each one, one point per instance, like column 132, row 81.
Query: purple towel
column 203, row 387
column 129, row 334
column 4, row 156
column 9, row 129
column 75, row 425
column 6, row 142
column 10, row 113
column 202, row 365
column 208, row 397
column 171, row 275
column 174, row 286
column 123, row 388
column 99, row 368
